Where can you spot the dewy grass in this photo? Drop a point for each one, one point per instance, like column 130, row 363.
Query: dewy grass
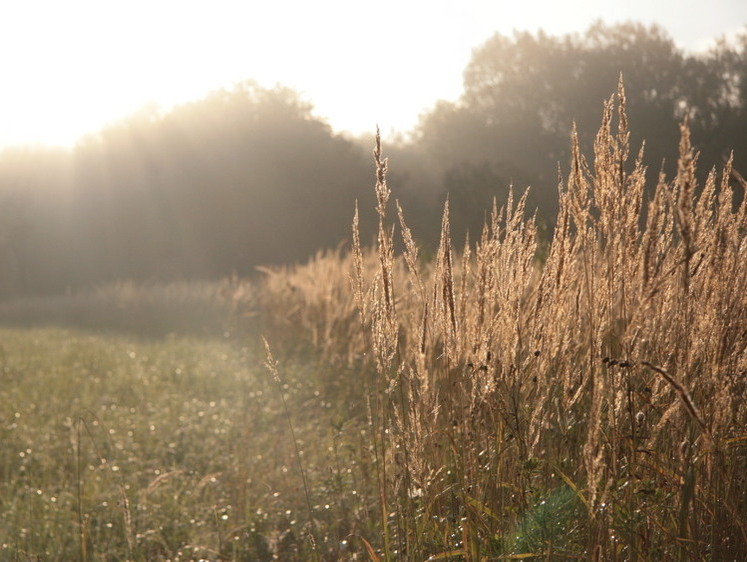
column 272, row 366
column 481, row 405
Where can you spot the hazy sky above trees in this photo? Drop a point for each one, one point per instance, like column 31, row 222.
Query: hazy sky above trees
column 70, row 67
column 249, row 176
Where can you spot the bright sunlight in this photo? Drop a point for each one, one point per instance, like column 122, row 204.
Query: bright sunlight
column 71, row 67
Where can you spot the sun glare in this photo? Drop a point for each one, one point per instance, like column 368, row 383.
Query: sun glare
column 71, row 67
column 86, row 64
column 58, row 122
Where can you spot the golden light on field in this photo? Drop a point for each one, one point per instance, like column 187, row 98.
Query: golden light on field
column 70, row 67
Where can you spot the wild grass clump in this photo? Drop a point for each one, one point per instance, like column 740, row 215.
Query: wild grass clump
column 605, row 384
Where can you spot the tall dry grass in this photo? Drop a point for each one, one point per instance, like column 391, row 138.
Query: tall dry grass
column 588, row 406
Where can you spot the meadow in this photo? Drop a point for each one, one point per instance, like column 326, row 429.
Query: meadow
column 581, row 397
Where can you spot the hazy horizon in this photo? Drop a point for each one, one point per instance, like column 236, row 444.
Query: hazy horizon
column 83, row 65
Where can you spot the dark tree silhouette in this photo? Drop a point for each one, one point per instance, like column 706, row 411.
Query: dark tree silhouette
column 522, row 95
column 244, row 177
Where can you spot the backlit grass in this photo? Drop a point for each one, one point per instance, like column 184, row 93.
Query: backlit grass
column 483, row 405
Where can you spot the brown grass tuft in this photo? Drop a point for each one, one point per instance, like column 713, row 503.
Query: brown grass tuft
column 503, row 383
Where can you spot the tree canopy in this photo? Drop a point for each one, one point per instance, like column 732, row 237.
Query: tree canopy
column 244, row 177
column 523, row 94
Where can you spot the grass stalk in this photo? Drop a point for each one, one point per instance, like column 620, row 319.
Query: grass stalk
column 272, row 367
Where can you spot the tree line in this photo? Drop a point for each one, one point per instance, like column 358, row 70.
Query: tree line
column 249, row 176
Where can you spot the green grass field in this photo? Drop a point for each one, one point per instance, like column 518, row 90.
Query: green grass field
column 118, row 448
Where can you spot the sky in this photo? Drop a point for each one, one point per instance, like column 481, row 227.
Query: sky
column 67, row 68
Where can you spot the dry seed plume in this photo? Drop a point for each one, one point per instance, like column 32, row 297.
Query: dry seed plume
column 497, row 371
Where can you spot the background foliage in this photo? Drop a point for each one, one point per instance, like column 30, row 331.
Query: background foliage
column 251, row 176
